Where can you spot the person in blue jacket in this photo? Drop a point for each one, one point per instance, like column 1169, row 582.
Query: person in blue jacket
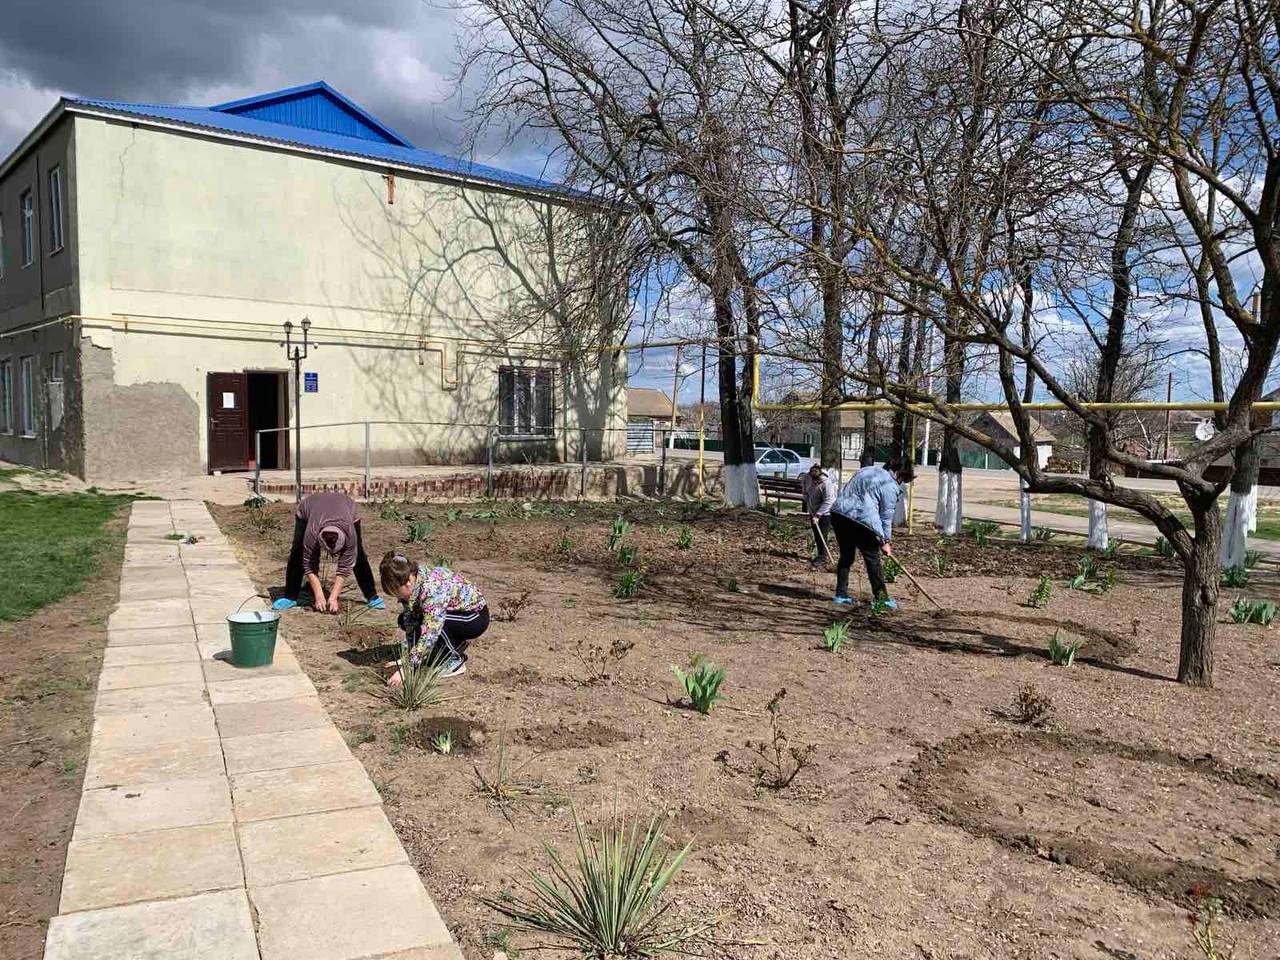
column 862, row 518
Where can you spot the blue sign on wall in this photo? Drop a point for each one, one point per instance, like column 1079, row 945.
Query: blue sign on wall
column 311, row 383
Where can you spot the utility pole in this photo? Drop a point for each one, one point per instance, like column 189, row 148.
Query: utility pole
column 675, row 397
column 297, row 353
column 1168, row 414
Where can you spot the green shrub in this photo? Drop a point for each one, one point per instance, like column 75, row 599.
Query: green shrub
column 629, row 584
column 1042, row 533
column 1062, row 652
column 1110, row 551
column 1234, row 577
column 1042, row 592
column 389, row 511
column 835, row 636
column 684, row 539
column 701, row 684
column 1086, row 568
column 1251, row 558
column 608, row 905
column 1164, row 548
column 416, row 531
column 1253, row 611
column 983, row 531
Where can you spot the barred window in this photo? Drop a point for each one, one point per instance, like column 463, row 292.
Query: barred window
column 525, row 407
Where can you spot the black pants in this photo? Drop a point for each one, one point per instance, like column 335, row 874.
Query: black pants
column 460, row 628
column 293, row 572
column 855, row 538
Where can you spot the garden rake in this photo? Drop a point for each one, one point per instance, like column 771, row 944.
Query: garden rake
column 916, row 583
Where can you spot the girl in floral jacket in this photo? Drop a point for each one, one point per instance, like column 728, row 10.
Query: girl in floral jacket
column 441, row 613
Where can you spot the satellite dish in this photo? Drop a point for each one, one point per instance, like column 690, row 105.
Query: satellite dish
column 1205, row 430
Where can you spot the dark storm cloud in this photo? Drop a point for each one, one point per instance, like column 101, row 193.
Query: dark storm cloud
column 396, row 58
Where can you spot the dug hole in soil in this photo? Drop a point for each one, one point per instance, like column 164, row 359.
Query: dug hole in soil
column 927, row 824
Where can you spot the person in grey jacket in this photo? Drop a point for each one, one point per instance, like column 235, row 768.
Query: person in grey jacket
column 862, row 518
column 819, row 491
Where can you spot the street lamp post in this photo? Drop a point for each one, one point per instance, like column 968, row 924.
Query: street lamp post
column 297, row 353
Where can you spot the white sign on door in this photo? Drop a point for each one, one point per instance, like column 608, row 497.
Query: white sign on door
column 228, row 401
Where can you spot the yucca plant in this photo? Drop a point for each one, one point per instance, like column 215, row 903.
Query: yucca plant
column 1042, row 592
column 505, row 785
column 1164, row 548
column 1062, row 651
column 628, row 554
column 701, row 684
column 415, row 531
column 442, row 742
column 1253, row 611
column 420, row 687
column 607, row 905
column 835, row 636
column 939, row 565
column 983, row 531
column 684, row 539
column 1234, row 577
column 1111, row 550
column 1251, row 558
column 1042, row 533
column 629, row 584
column 617, row 533
column 1086, row 568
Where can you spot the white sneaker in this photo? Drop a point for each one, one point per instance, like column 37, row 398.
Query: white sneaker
column 452, row 667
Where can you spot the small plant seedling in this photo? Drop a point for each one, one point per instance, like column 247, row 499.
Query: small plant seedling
column 835, row 636
column 629, row 584
column 684, row 539
column 1043, row 533
column 880, row 607
column 618, row 533
column 728, row 583
column 983, row 531
column 780, row 762
column 1111, row 550
column 416, row 531
column 420, row 687
column 564, row 546
column 1107, row 582
column 891, row 570
column 1251, row 558
column 610, row 906
column 1235, row 577
column 1203, row 917
column 500, row 939
column 1062, row 651
column 939, row 565
column 628, row 555
column 701, row 684
column 1253, row 611
column 175, row 536
column 602, row 662
column 389, row 511
column 361, row 733
column 255, row 512
column 1086, row 569
column 509, row 608
column 505, row 785
column 1031, row 707
column 442, row 742
column 1164, row 548
column 1042, row 593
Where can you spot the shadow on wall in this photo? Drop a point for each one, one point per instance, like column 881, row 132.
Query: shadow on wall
column 497, row 280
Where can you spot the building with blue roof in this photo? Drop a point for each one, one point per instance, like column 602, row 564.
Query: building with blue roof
column 150, row 254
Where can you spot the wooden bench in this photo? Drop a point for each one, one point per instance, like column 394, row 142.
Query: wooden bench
column 780, row 488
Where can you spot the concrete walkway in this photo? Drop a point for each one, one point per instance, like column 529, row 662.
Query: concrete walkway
column 223, row 817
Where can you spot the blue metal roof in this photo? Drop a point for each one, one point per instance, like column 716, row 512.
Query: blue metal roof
column 317, row 117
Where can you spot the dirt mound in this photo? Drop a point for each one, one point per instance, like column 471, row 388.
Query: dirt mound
column 569, row 736
column 466, row 734
column 1157, row 821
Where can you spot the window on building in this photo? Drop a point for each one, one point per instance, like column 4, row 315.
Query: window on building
column 524, row 401
column 55, row 210
column 28, row 228
column 6, row 396
column 27, row 395
column 55, row 367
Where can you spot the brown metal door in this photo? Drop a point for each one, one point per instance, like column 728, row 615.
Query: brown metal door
column 230, row 445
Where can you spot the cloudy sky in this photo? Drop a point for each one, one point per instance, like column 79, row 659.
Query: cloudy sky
column 397, row 58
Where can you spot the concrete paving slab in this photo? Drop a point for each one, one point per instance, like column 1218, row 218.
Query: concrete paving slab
column 367, row 913
column 221, row 669
column 143, row 807
column 139, row 699
column 448, row 951
column 180, row 760
column 151, row 866
column 148, row 614
column 135, row 638
column 274, row 716
column 150, row 653
column 258, row 689
column 209, row 926
column 150, row 675
column 151, row 553
column 128, row 731
column 216, row 609
column 149, row 587
column 297, row 790
column 274, row 751
column 207, row 634
column 315, row 845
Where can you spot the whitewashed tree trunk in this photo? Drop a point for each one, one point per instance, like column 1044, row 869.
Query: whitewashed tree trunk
column 949, row 515
column 1241, row 519
column 900, row 512
column 1098, row 538
column 1024, row 511
column 740, row 486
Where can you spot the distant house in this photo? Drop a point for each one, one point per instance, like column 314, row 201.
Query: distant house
column 999, row 426
column 648, row 415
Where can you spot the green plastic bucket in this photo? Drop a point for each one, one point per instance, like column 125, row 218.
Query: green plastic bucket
column 253, row 637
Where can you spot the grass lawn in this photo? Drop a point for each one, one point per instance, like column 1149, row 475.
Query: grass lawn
column 1068, row 506
column 51, row 546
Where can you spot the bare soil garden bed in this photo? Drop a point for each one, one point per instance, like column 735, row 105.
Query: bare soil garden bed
column 927, row 823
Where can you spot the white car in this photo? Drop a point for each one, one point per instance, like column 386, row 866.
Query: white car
column 780, row 462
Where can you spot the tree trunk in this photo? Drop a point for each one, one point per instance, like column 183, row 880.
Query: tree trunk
column 949, row 515
column 1200, row 596
column 832, row 387
column 1242, row 507
column 873, row 373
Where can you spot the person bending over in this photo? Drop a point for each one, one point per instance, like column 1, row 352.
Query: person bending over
column 862, row 518
column 327, row 521
column 819, row 491
column 441, row 613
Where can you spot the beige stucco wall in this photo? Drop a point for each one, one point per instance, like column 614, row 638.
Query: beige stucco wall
column 179, row 226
